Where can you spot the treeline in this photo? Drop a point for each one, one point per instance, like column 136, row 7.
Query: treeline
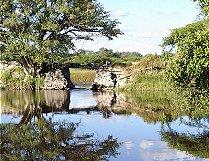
column 103, row 56
column 123, row 59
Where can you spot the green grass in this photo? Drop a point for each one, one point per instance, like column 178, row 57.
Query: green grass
column 156, row 99
column 82, row 76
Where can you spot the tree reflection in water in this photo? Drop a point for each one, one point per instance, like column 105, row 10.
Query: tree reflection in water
column 47, row 140
column 58, row 141
column 194, row 144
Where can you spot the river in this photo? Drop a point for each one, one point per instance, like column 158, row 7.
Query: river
column 106, row 125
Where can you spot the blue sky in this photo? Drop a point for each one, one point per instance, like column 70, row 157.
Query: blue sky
column 144, row 23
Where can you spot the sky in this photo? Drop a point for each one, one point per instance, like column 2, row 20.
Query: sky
column 144, row 23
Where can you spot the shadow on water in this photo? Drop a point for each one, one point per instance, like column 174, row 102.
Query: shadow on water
column 36, row 136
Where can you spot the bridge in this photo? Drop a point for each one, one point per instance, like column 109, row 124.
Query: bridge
column 57, row 76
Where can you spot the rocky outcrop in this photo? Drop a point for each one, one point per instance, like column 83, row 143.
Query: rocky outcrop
column 109, row 78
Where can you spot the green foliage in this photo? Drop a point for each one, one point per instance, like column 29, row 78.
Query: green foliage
column 151, row 61
column 38, row 31
column 153, row 89
column 103, row 56
column 12, row 78
column 15, row 78
column 189, row 68
column 204, row 6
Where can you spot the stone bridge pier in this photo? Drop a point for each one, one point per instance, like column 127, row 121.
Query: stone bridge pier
column 58, row 78
column 110, row 77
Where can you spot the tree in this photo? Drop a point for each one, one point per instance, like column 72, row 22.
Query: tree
column 190, row 65
column 37, row 32
column 204, row 6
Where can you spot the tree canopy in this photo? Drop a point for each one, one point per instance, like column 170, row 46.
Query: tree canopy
column 190, row 65
column 37, row 31
column 204, row 6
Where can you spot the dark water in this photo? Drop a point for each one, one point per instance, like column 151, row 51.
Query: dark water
column 107, row 126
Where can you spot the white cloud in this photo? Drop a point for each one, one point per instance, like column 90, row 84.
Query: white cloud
column 159, row 151
column 145, row 144
column 128, row 145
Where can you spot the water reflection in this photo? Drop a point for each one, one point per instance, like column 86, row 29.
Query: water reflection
column 195, row 143
column 47, row 140
column 147, row 133
column 30, row 104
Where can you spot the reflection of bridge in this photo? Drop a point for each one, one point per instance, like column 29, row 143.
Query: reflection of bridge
column 29, row 104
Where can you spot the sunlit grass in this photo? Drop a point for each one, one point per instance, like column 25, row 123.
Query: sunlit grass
column 82, row 76
column 153, row 92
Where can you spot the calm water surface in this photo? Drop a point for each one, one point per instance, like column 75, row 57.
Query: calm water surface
column 138, row 136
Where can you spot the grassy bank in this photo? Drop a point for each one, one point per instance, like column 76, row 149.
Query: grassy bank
column 82, row 76
column 153, row 93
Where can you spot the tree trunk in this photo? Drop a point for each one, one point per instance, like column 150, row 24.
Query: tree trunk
column 30, row 69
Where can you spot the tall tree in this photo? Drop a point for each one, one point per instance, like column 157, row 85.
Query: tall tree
column 190, row 66
column 39, row 31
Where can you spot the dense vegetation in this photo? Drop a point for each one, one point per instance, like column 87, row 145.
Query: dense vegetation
column 37, row 33
column 103, row 56
column 189, row 70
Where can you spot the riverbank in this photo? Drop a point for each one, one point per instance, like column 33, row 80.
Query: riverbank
column 153, row 92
